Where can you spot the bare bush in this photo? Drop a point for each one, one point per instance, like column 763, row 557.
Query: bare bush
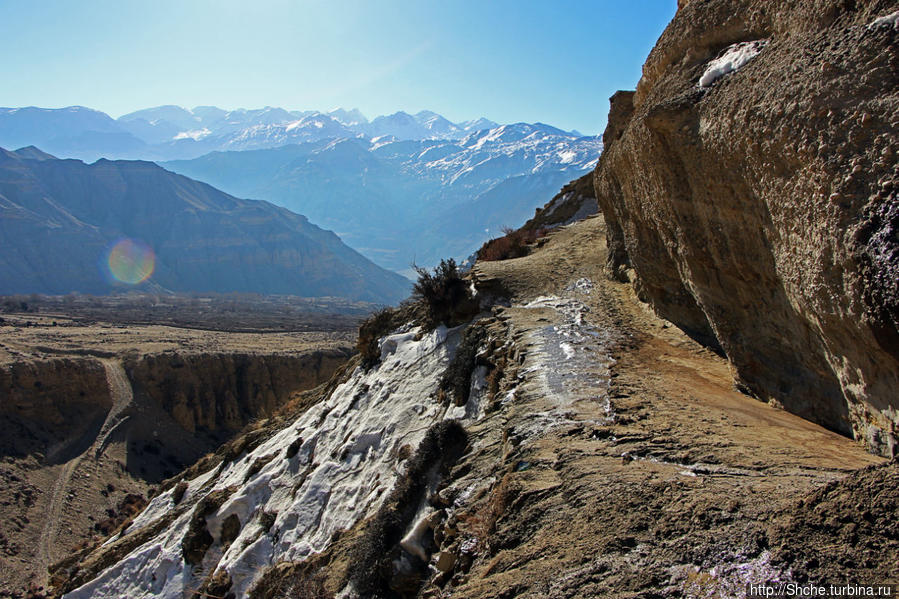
column 513, row 244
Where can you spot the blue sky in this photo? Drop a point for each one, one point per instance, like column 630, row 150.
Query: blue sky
column 554, row 61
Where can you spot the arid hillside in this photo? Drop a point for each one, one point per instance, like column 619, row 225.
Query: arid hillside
column 95, row 414
column 691, row 391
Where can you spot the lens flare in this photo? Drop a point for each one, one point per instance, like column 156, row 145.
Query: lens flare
column 130, row 261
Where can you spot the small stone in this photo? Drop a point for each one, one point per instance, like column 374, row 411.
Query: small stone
column 445, row 561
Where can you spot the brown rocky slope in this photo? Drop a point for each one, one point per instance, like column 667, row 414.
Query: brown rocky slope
column 95, row 415
column 759, row 213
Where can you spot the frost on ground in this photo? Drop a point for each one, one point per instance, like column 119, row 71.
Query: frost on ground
column 571, row 360
column 728, row 580
column 733, row 58
column 890, row 20
column 289, row 504
column 582, row 285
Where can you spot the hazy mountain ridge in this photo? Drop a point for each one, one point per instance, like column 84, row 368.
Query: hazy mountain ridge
column 388, row 186
column 59, row 217
column 172, row 132
column 399, row 201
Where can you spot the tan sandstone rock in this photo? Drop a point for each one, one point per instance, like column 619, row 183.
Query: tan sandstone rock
column 761, row 213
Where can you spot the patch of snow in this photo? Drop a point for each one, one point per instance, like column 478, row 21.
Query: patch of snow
column 567, row 156
column 412, row 541
column 588, row 206
column 582, row 285
column 393, row 343
column 196, row 134
column 890, row 20
column 732, row 59
column 473, row 409
column 344, row 468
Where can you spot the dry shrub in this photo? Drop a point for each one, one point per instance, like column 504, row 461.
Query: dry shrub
column 513, row 244
column 482, row 522
column 312, row 587
column 443, row 295
column 178, row 492
column 381, row 324
column 298, row 580
column 494, row 377
column 371, row 330
column 119, row 518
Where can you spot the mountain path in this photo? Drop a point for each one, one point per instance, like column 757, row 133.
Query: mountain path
column 121, row 395
column 625, row 458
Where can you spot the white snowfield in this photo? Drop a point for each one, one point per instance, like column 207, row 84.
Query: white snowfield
column 346, row 464
column 734, row 57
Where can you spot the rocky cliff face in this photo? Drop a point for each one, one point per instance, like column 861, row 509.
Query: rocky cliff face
column 186, row 404
column 751, row 185
column 30, row 407
column 223, row 392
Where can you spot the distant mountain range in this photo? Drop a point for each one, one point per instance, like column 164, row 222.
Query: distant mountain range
column 172, row 132
column 60, row 221
column 404, row 201
column 400, row 188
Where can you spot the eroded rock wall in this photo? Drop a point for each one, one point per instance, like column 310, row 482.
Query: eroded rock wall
column 760, row 213
column 31, row 412
column 223, row 392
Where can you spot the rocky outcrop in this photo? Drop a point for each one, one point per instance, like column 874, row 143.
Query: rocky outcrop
column 575, row 201
column 223, row 392
column 759, row 212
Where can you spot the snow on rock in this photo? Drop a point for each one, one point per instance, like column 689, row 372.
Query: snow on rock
column 196, row 134
column 582, row 285
column 289, row 508
column 733, row 58
column 890, row 20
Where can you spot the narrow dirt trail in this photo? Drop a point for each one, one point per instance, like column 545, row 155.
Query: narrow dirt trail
column 121, row 394
column 628, row 465
column 54, row 512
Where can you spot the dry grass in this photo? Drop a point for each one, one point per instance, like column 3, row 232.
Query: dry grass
column 482, row 522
